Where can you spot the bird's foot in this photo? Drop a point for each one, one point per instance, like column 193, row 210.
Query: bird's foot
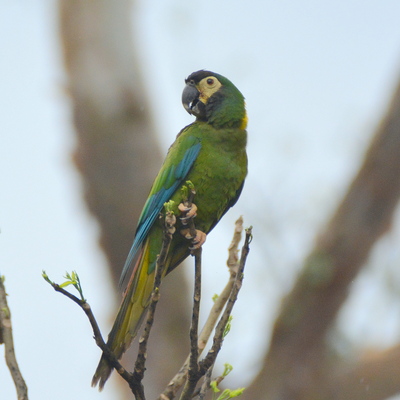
column 187, row 212
column 189, row 231
column 197, row 240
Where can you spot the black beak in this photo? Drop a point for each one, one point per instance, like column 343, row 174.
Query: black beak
column 190, row 97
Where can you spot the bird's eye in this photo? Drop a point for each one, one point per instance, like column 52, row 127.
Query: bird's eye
column 210, row 81
column 191, row 82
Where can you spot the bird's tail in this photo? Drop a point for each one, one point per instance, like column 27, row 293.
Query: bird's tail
column 130, row 315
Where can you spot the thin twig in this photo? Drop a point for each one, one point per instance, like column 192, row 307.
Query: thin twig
column 206, row 384
column 233, row 249
column 6, row 337
column 189, row 192
column 192, row 376
column 194, row 352
column 96, row 330
column 212, row 354
column 219, row 334
column 219, row 303
column 179, row 379
column 133, row 379
column 133, row 382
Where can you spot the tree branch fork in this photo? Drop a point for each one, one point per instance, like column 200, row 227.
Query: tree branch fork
column 193, row 370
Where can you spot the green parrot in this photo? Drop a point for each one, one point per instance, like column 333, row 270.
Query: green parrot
column 211, row 153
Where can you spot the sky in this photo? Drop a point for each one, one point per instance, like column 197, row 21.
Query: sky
column 316, row 75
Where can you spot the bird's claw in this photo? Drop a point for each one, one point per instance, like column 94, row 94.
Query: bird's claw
column 188, row 212
column 197, row 241
column 189, row 232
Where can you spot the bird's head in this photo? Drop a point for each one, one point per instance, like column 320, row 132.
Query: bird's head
column 214, row 99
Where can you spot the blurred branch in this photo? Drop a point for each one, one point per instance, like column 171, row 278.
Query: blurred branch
column 117, row 151
column 6, row 338
column 375, row 377
column 295, row 364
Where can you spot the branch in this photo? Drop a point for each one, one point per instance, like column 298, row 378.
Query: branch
column 188, row 193
column 235, row 280
column 206, row 385
column 133, row 379
column 116, row 142
column 220, row 301
column 220, row 330
column 84, row 305
column 374, row 377
column 6, row 337
column 195, row 371
column 193, row 368
column 233, row 249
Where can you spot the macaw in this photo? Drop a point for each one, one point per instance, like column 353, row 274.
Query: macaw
column 211, row 153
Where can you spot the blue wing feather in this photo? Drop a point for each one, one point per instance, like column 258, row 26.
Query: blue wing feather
column 155, row 202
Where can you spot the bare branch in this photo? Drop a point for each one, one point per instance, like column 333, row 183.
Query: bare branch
column 133, row 379
column 179, row 379
column 220, row 301
column 374, row 377
column 230, row 292
column 206, row 384
column 116, row 147
column 133, row 382
column 84, row 305
column 196, row 312
column 193, row 368
column 233, row 249
column 6, row 338
column 219, row 334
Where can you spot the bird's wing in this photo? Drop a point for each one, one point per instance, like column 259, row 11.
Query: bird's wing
column 172, row 174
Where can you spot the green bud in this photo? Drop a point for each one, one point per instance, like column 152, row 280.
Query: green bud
column 169, row 207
